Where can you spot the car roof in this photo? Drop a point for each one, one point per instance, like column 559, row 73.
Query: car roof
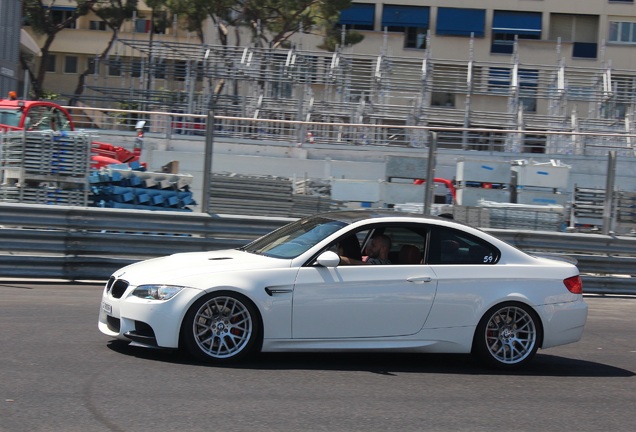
column 352, row 216
column 8, row 103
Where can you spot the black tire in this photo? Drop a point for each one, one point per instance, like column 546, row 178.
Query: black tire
column 221, row 327
column 508, row 336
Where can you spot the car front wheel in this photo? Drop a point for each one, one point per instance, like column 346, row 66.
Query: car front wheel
column 221, row 327
column 507, row 336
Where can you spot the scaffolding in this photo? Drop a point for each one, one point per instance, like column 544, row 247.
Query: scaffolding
column 346, row 87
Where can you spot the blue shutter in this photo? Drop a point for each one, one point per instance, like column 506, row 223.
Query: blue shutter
column 521, row 23
column 584, row 50
column 404, row 16
column 460, row 22
column 358, row 14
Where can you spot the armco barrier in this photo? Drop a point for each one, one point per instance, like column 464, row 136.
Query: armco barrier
column 76, row 243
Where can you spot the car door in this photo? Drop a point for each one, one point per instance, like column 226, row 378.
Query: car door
column 467, row 275
column 363, row 301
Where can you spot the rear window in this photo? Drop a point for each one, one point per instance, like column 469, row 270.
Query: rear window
column 450, row 246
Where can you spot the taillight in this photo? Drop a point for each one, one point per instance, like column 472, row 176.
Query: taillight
column 574, row 284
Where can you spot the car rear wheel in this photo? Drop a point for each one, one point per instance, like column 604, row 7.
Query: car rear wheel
column 507, row 336
column 221, row 327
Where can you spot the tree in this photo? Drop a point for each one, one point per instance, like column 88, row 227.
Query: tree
column 40, row 15
column 271, row 22
column 114, row 13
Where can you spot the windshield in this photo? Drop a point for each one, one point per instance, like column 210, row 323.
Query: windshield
column 42, row 117
column 10, row 117
column 295, row 238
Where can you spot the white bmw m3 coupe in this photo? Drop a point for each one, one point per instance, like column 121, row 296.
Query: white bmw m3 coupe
column 323, row 284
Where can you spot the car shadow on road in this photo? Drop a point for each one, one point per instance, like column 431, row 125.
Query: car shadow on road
column 388, row 363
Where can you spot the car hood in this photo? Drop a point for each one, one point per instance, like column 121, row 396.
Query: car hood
column 172, row 268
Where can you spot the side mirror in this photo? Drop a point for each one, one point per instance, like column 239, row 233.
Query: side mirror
column 328, row 259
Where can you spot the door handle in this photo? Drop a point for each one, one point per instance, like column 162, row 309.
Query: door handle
column 417, row 279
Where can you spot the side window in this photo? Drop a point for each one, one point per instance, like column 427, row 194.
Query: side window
column 405, row 245
column 59, row 120
column 450, row 246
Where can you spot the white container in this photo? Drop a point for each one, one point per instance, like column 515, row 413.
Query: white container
column 542, row 175
column 483, row 171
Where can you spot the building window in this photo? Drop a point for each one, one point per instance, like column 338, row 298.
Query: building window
column 624, row 92
column 135, row 68
column 59, row 14
column 93, row 66
column 70, row 64
column 142, row 26
column 528, row 84
column 443, row 99
column 499, row 80
column 97, row 25
column 415, row 37
column 159, row 68
column 510, row 25
column 460, row 22
column 581, row 30
column 50, row 63
column 180, row 70
column 114, row 67
column 360, row 16
column 306, row 67
column 622, row 32
column 502, row 80
column 413, row 21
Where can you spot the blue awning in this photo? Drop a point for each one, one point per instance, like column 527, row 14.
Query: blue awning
column 358, row 14
column 405, row 16
column 521, row 23
column 460, row 22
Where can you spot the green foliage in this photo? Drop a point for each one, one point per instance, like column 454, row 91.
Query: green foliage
column 115, row 12
column 271, row 22
column 41, row 19
column 49, row 95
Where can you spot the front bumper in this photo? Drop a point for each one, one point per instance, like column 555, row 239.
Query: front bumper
column 155, row 323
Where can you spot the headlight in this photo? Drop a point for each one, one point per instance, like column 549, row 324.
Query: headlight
column 156, row 292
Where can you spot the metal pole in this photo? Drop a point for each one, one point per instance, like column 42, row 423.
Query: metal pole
column 207, row 162
column 430, row 173
column 25, row 89
column 609, row 192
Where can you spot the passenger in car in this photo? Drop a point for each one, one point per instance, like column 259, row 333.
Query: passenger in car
column 409, row 254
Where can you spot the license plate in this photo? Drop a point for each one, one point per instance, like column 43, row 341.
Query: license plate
column 107, row 308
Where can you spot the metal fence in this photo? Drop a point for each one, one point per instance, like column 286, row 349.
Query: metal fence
column 74, row 243
column 351, row 131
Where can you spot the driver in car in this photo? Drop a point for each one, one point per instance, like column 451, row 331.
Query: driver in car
column 377, row 252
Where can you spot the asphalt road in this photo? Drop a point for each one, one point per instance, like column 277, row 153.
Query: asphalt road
column 58, row 373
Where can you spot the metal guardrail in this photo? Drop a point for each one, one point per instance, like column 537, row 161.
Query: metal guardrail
column 77, row 243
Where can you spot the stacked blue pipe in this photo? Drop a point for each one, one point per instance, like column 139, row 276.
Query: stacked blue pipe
column 129, row 186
